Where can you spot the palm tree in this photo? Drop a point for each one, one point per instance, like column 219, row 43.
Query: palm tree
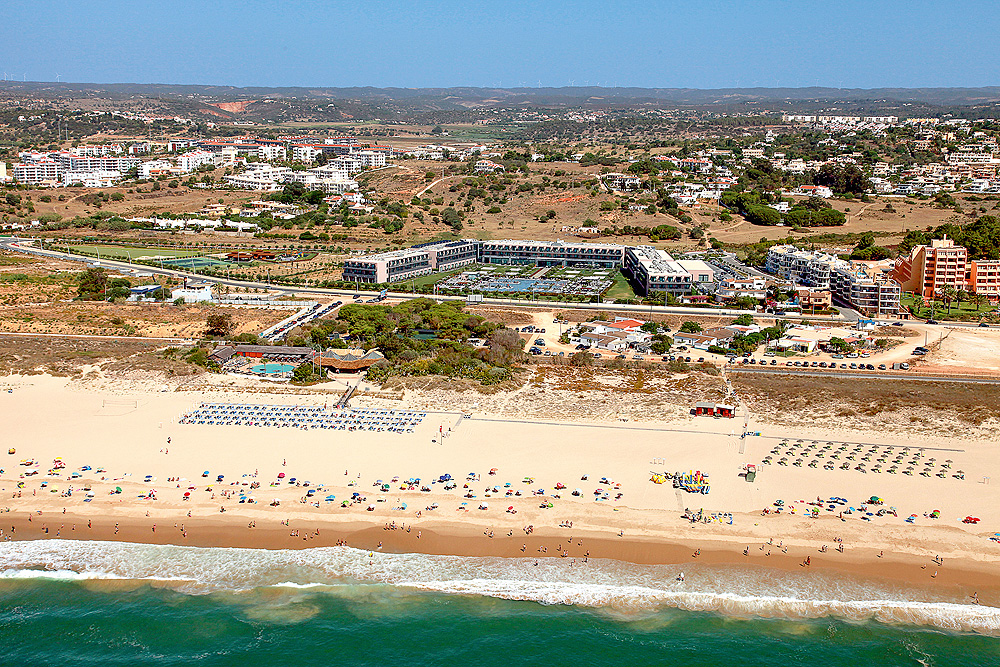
column 948, row 295
column 960, row 296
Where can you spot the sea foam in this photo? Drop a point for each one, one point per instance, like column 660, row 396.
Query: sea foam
column 730, row 590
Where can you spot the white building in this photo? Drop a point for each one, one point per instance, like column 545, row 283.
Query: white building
column 92, row 179
column 263, row 177
column 849, row 283
column 154, row 168
column 371, row 159
column 272, row 153
column 487, row 167
column 656, row 271
column 38, row 172
column 189, row 162
column 193, row 293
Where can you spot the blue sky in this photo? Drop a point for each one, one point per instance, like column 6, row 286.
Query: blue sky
column 696, row 44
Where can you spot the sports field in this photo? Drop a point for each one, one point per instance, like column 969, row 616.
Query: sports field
column 130, row 252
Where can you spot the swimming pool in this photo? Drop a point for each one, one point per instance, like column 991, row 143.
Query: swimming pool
column 272, row 369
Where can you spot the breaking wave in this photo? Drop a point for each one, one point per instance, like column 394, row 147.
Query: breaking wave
column 743, row 591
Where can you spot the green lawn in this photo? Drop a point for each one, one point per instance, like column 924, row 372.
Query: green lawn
column 124, row 252
column 622, row 289
column 959, row 311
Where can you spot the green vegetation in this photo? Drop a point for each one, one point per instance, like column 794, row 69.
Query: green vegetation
column 951, row 304
column 94, row 285
column 621, row 289
column 981, row 238
column 392, row 330
column 127, row 252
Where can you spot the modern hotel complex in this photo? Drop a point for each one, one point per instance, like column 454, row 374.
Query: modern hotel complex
column 849, row 283
column 656, row 271
column 419, row 260
column 653, row 270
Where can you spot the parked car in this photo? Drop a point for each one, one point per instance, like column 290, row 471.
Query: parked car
column 881, row 367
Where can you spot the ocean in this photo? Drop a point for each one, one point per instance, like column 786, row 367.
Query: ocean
column 110, row 603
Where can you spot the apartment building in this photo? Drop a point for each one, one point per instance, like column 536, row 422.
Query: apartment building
column 621, row 182
column 70, row 162
column 656, row 271
column 984, row 278
column 37, row 171
column 264, row 177
column 850, row 284
column 550, row 253
column 189, row 162
column 928, row 269
column 98, row 150
column 91, row 179
column 272, row 153
column 306, row 152
column 371, row 159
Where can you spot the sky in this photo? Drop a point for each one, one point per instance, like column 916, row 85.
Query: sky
column 442, row 43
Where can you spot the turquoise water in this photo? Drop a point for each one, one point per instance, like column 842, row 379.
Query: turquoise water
column 273, row 368
column 112, row 604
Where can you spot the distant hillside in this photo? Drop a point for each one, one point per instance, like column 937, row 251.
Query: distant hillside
column 564, row 95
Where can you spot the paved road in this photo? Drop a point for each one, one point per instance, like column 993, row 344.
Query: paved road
column 885, row 375
column 11, row 244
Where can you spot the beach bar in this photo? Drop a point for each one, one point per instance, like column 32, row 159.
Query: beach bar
column 714, row 409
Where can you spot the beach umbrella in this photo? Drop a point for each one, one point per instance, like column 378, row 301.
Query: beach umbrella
column 281, row 475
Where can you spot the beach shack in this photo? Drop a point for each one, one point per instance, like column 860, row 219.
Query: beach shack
column 723, row 410
column 714, row 409
column 704, row 408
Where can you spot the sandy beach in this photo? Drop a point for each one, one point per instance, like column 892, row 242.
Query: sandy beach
column 60, row 427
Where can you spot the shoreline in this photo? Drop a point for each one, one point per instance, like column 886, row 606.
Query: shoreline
column 960, row 577
column 93, row 455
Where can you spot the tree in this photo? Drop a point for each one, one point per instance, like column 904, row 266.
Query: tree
column 452, row 218
column 219, row 324
column 661, row 344
column 93, row 282
column 745, row 320
column 690, row 327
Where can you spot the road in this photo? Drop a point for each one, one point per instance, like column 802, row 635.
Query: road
column 12, row 245
column 885, row 375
